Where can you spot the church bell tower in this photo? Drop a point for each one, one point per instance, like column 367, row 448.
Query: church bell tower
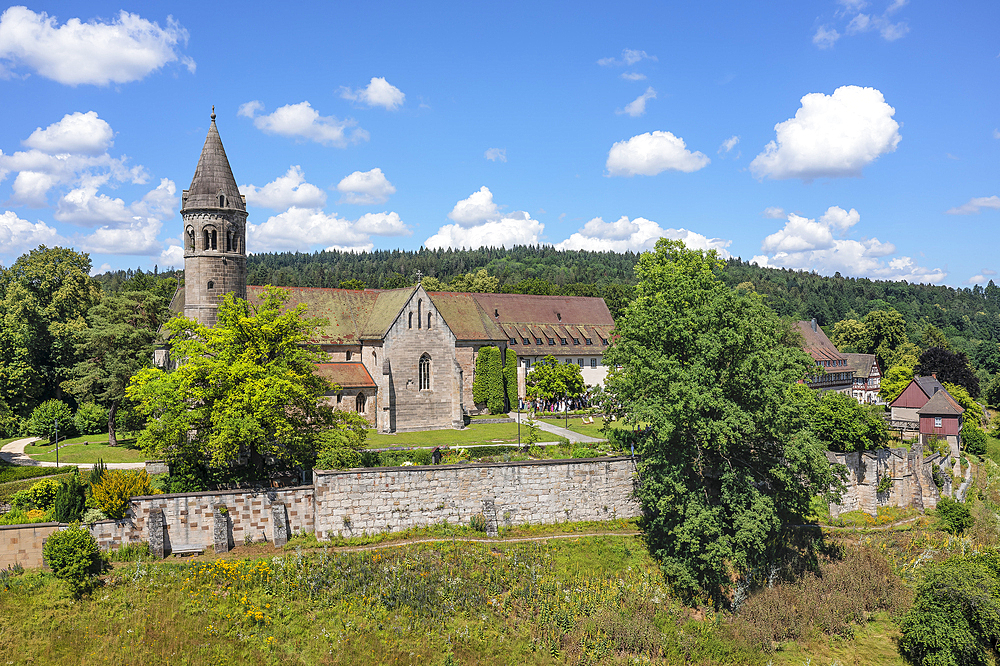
column 215, row 217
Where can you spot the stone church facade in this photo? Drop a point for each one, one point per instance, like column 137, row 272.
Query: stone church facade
column 403, row 358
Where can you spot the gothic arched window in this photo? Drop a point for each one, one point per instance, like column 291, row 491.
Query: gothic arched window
column 428, row 320
column 359, row 403
column 425, row 372
column 411, row 320
column 420, row 304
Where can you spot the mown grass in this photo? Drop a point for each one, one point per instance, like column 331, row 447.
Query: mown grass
column 576, row 424
column 476, row 433
column 993, row 449
column 10, row 487
column 96, row 448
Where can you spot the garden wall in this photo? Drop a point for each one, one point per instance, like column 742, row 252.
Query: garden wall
column 359, row 501
column 394, row 498
column 911, row 473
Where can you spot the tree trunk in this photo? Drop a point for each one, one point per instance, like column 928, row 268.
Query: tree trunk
column 112, row 436
column 257, row 463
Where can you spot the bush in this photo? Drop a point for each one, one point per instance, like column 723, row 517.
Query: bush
column 955, row 517
column 42, row 496
column 97, row 473
column 584, row 452
column 117, row 487
column 71, row 500
column 91, row 419
column 42, row 421
column 73, row 556
column 478, row 522
column 21, row 517
column 955, row 618
column 974, row 439
column 91, row 516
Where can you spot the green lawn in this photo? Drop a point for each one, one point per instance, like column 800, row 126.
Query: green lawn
column 484, row 433
column 993, row 449
column 96, row 448
column 591, row 430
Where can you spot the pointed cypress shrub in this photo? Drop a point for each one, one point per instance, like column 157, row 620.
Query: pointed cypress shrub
column 71, row 499
column 510, row 379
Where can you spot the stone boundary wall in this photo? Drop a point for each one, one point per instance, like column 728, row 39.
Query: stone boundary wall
column 367, row 501
column 22, row 544
column 358, row 501
column 912, row 481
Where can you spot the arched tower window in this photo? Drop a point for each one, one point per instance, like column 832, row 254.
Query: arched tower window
column 214, row 240
column 411, row 320
column 190, row 234
column 207, row 241
column 420, row 305
column 425, row 372
column 222, row 201
column 359, row 403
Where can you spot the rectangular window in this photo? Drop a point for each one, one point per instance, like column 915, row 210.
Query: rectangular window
column 562, row 341
column 551, row 341
column 526, row 341
column 513, row 341
column 579, row 362
column 576, row 341
column 538, row 341
column 937, row 421
column 589, row 341
column 593, row 362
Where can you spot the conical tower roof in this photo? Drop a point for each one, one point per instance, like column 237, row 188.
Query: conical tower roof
column 213, row 176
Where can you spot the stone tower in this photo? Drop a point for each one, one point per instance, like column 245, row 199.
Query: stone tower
column 215, row 217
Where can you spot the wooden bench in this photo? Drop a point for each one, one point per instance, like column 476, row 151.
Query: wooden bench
column 182, row 549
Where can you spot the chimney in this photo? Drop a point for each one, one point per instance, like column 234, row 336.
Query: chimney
column 814, row 324
column 934, row 375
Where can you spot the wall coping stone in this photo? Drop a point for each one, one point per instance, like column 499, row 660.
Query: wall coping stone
column 517, row 463
column 235, row 491
column 21, row 526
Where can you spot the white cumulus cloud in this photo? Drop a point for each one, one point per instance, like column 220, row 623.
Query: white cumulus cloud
column 830, row 136
column 379, row 92
column 652, row 153
column 302, row 121
column 286, row 191
column 728, row 144
column 304, row 229
column 382, row 224
column 496, row 154
column 82, row 133
column 811, row 245
column 365, row 188
column 480, row 222
column 976, row 204
column 637, row 107
column 637, row 235
column 137, row 237
column 93, row 52
column 17, row 235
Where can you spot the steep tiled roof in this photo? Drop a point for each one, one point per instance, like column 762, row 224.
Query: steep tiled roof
column 860, row 364
column 941, row 404
column 816, row 344
column 346, row 375
column 521, row 316
column 347, row 310
column 929, row 385
column 213, row 175
column 465, row 317
column 389, row 304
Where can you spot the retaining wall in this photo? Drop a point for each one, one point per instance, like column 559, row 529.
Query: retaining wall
column 911, row 473
column 22, row 544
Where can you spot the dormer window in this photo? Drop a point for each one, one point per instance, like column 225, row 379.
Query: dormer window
column 526, row 341
column 589, row 341
column 576, row 341
column 551, row 341
column 538, row 341
column 513, row 341
column 562, row 341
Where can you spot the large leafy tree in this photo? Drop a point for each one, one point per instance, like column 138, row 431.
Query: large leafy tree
column 949, row 366
column 727, row 460
column 246, row 387
column 46, row 296
column 844, row 425
column 117, row 344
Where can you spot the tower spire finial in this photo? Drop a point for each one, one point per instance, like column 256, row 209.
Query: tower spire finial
column 213, row 113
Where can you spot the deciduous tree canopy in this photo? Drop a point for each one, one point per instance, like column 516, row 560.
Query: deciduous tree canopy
column 727, row 461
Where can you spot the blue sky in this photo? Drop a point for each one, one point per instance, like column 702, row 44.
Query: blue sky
column 852, row 135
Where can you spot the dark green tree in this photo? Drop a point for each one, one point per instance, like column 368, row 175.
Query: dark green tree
column 510, row 378
column 726, row 462
column 955, row 618
column 118, row 343
column 845, row 426
column 951, row 367
column 71, row 499
column 49, row 416
column 46, row 296
column 551, row 380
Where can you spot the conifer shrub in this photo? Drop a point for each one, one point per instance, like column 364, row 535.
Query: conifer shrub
column 117, row 487
column 74, row 557
column 71, row 500
column 42, row 495
column 91, row 419
column 510, row 379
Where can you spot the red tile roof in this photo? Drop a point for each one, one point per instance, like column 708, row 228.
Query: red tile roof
column 346, row 375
